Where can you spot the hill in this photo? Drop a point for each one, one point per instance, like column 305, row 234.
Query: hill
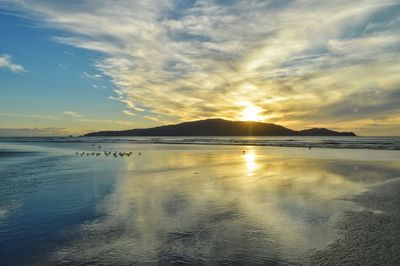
column 221, row 127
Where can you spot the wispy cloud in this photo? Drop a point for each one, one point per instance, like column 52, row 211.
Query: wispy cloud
column 73, row 114
column 106, row 121
column 128, row 113
column 302, row 62
column 32, row 132
column 6, row 62
column 46, row 117
column 91, row 76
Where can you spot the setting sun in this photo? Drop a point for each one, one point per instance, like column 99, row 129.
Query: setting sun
column 251, row 113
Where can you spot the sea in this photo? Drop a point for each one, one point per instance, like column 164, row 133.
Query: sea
column 374, row 143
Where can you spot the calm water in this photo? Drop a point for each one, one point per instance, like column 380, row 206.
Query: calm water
column 374, row 143
column 177, row 204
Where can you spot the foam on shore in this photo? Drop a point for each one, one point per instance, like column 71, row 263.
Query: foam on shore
column 370, row 236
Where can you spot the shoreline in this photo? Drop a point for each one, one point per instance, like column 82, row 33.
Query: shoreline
column 370, row 236
column 354, row 143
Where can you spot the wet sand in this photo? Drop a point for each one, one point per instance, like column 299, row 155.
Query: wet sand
column 197, row 205
column 370, row 236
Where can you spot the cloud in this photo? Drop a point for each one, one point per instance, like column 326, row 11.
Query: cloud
column 73, row 114
column 296, row 60
column 31, row 116
column 128, row 113
column 91, row 76
column 106, row 121
column 6, row 62
column 123, row 123
column 32, row 132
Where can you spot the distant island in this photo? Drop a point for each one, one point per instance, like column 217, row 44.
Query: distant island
column 221, row 127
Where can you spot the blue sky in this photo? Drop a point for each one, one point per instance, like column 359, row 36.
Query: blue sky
column 58, row 83
column 69, row 67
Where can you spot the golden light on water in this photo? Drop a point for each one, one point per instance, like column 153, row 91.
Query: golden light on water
column 251, row 164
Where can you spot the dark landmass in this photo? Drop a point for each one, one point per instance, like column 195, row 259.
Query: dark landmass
column 323, row 132
column 221, row 127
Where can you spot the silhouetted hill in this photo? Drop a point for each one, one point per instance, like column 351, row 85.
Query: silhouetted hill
column 324, row 132
column 221, row 127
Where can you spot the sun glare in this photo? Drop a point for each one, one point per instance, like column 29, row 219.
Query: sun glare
column 251, row 113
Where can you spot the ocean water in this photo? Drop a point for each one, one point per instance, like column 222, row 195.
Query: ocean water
column 375, row 143
column 178, row 204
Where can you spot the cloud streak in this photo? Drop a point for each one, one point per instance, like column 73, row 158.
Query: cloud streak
column 91, row 76
column 6, row 62
column 30, row 116
column 128, row 113
column 32, row 132
column 73, row 114
column 301, row 62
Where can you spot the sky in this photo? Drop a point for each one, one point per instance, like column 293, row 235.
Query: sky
column 71, row 67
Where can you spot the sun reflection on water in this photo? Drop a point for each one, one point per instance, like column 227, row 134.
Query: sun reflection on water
column 251, row 163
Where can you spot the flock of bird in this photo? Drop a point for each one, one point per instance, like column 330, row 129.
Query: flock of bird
column 106, row 153
column 115, row 153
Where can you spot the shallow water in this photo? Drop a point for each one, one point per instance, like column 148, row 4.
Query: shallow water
column 373, row 143
column 177, row 204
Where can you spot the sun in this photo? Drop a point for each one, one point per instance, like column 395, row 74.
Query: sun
column 251, row 113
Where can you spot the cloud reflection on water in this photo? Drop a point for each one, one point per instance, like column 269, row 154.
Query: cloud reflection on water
column 239, row 208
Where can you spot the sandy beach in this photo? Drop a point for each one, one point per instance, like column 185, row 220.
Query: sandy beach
column 197, row 205
column 370, row 236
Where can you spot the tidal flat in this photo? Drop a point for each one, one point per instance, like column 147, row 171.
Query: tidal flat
column 169, row 204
